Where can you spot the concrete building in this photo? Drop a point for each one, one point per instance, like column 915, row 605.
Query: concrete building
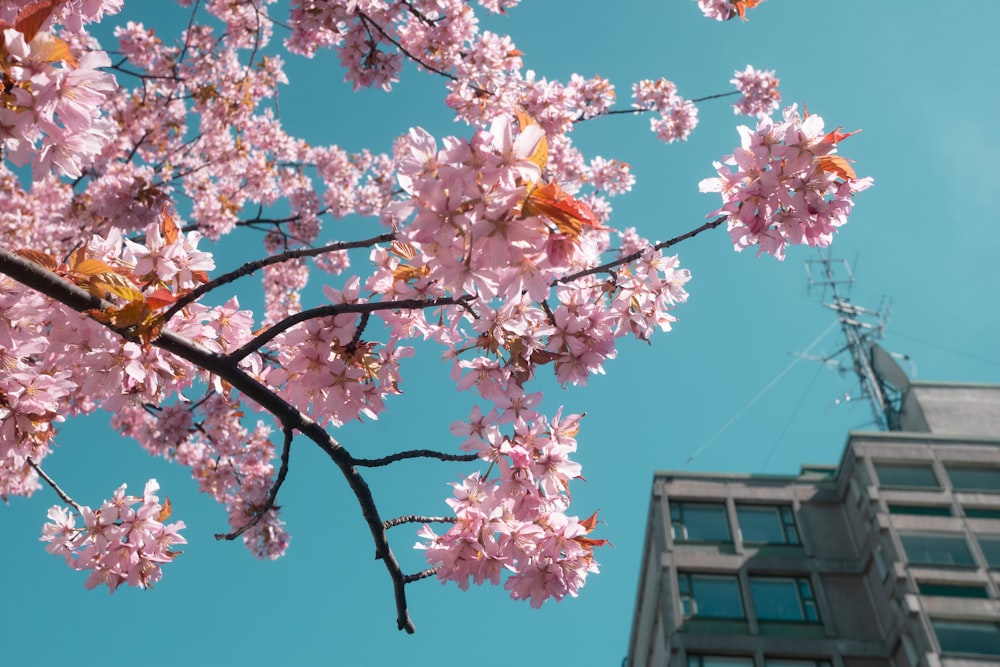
column 891, row 557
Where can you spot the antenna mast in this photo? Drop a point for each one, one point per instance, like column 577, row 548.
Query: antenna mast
column 861, row 328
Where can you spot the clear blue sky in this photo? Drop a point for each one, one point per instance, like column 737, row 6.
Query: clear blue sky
column 919, row 78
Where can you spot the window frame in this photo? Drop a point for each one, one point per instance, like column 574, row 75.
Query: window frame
column 679, row 524
column 699, row 659
column 951, row 469
column 900, row 466
column 784, row 521
column 688, row 596
column 990, row 544
column 913, row 554
column 805, row 598
column 948, row 651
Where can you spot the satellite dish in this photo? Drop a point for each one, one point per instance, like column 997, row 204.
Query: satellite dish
column 888, row 370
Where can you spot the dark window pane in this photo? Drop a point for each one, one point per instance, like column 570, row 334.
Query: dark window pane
column 982, row 512
column 953, row 591
column 975, row 479
column 968, row 638
column 700, row 522
column 718, row 661
column 716, row 597
column 936, row 549
column 767, row 524
column 906, row 474
column 776, row 600
column 920, row 510
column 991, row 549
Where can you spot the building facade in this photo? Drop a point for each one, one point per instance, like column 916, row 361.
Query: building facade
column 891, row 558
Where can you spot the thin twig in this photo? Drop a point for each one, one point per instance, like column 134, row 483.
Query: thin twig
column 408, row 578
column 339, row 309
column 413, row 454
column 638, row 253
column 368, row 21
column 55, row 487
column 272, row 495
column 250, row 267
column 416, row 518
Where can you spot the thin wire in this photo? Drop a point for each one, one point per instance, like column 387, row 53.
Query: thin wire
column 791, row 418
column 946, row 349
column 760, row 394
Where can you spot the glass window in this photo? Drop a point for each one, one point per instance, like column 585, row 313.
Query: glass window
column 920, row 510
column 718, row 661
column 783, row 599
column 974, row 479
column 968, row 638
column 991, row 549
column 699, row 522
column 936, row 549
column 710, row 596
column 906, row 474
column 787, row 662
column 953, row 590
column 763, row 524
column 982, row 512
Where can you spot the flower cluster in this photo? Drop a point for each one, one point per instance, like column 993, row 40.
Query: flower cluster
column 785, row 185
column 677, row 117
column 118, row 542
column 758, row 90
column 515, row 522
column 50, row 110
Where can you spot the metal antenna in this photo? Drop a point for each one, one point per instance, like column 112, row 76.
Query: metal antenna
column 882, row 382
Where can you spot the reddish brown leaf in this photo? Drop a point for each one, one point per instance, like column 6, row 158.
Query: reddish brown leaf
column 590, row 522
column 31, row 18
column 568, row 214
column 168, row 227
column 159, row 298
column 835, row 164
column 741, row 7
column 91, row 267
column 540, row 156
column 165, row 512
column 837, row 136
column 40, row 258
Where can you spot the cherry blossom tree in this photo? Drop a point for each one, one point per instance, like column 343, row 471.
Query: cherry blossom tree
column 125, row 170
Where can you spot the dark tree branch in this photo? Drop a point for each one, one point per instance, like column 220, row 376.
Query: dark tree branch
column 416, row 518
column 402, row 49
column 250, row 267
column 339, row 309
column 634, row 111
column 38, row 278
column 413, row 454
column 55, row 487
column 408, row 578
column 638, row 253
column 272, row 494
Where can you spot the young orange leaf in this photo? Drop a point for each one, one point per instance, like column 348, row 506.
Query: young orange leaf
column 112, row 283
column 568, row 214
column 40, row 258
column 835, row 164
column 540, row 156
column 31, row 18
column 590, row 522
column 159, row 298
column 165, row 512
column 741, row 7
column 169, row 228
column 837, row 136
column 90, row 267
